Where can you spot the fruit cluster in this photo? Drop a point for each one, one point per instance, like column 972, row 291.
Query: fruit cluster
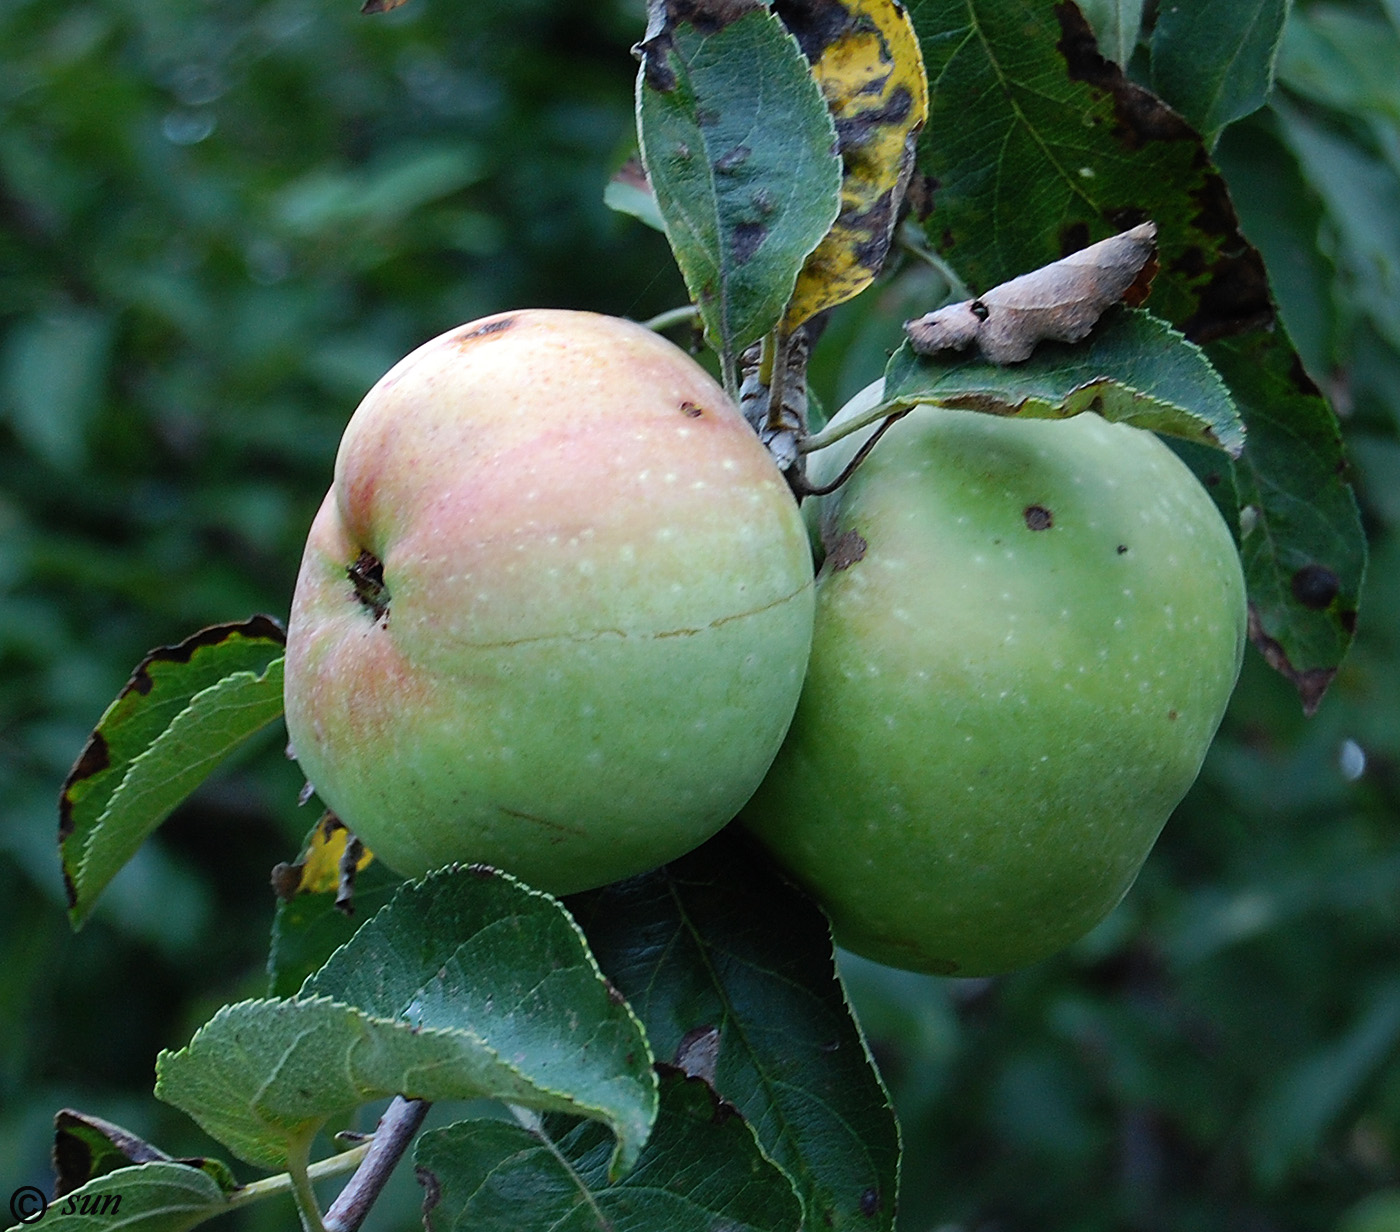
column 556, row 613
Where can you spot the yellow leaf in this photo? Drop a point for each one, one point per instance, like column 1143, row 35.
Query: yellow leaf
column 866, row 58
column 318, row 869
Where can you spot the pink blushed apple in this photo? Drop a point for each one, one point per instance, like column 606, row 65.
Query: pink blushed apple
column 555, row 610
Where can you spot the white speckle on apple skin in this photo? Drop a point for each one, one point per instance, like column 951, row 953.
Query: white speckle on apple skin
column 1053, row 707
column 600, row 616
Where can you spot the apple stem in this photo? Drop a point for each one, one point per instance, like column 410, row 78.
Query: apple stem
column 401, row 1120
column 850, row 469
column 688, row 314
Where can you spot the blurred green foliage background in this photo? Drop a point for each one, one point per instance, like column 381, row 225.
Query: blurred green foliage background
column 220, row 223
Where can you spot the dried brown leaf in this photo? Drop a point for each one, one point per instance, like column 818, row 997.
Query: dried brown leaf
column 1061, row 301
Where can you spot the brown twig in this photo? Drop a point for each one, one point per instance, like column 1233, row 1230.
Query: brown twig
column 401, row 1120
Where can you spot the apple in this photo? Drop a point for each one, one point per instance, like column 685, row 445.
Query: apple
column 1027, row 632
column 555, row 610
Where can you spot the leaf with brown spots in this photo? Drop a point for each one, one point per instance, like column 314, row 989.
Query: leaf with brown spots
column 866, row 59
column 1038, row 145
column 184, row 709
column 740, row 151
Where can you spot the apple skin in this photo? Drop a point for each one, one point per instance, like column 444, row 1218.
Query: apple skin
column 1016, row 671
column 596, row 606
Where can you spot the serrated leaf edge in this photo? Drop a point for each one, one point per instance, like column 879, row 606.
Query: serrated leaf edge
column 80, row 878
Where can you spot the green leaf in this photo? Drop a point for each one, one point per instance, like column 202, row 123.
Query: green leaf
column 1303, row 559
column 731, row 969
column 1307, row 1101
column 1133, row 369
column 153, row 1197
column 740, row 150
column 467, row 985
column 701, row 1170
column 1214, row 62
column 1362, row 196
column 1117, row 23
column 51, row 381
column 1043, row 145
column 183, row 711
column 1344, row 58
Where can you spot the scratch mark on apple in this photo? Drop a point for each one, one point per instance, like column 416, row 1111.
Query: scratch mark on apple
column 562, row 830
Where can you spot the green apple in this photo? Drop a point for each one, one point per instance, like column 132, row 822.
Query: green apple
column 1027, row 632
column 555, row 610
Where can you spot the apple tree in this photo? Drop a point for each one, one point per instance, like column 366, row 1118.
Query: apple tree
column 676, row 1049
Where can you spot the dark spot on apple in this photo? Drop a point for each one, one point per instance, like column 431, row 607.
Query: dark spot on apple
column 1122, row 548
column 1315, row 586
column 870, row 1203
column 366, row 576
column 692, row 410
column 845, row 551
column 1038, row 517
column 490, row 328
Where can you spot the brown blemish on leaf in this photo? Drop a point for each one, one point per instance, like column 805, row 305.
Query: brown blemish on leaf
column 748, row 238
column 1171, row 716
column 663, row 16
column 1232, row 290
column 370, row 7
column 72, row 1153
column 731, row 160
column 1038, row 517
column 1315, row 586
column 484, row 872
column 918, row 196
column 1347, row 619
column 286, row 880
column 432, row 1191
column 96, row 756
column 815, row 24
column 1122, row 548
column 1141, row 115
column 1311, row 683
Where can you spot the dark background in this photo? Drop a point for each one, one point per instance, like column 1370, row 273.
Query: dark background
column 220, row 223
